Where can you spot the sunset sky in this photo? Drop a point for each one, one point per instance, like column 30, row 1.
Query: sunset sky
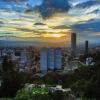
column 49, row 20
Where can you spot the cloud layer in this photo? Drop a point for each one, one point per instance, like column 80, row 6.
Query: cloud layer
column 33, row 20
column 50, row 7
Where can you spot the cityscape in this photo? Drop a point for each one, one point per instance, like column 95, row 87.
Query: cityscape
column 48, row 58
column 49, row 49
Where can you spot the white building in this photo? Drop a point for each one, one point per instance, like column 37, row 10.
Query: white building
column 50, row 59
column 43, row 59
column 58, row 58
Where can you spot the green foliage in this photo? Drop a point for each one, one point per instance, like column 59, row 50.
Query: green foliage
column 12, row 80
column 22, row 95
column 38, row 91
column 35, row 94
column 84, row 81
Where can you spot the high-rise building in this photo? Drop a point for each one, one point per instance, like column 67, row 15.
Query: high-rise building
column 0, row 52
column 58, row 58
column 23, row 59
column 50, row 59
column 73, row 44
column 86, row 47
column 23, row 56
column 43, row 59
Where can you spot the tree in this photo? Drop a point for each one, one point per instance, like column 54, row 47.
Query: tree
column 11, row 79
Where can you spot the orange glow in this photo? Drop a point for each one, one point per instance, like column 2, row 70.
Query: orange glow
column 57, row 35
column 53, row 35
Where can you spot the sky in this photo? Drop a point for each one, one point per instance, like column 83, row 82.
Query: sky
column 50, row 21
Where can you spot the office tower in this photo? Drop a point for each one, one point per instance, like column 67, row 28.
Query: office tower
column 86, row 47
column 50, row 59
column 43, row 59
column 58, row 59
column 73, row 44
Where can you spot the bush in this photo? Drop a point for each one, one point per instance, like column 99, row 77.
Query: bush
column 23, row 95
column 35, row 94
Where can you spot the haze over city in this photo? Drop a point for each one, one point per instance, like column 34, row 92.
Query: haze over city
column 49, row 21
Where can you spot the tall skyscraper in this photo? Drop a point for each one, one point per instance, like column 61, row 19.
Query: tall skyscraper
column 0, row 52
column 86, row 47
column 73, row 44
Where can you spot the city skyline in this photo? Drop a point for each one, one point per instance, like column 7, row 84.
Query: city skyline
column 49, row 21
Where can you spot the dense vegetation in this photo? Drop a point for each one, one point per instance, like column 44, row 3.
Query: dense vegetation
column 84, row 81
column 11, row 79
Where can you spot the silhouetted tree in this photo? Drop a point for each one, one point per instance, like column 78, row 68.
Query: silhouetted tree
column 11, row 79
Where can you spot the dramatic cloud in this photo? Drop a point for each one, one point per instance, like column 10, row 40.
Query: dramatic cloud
column 50, row 7
column 89, row 26
column 75, row 2
column 36, row 19
column 88, row 4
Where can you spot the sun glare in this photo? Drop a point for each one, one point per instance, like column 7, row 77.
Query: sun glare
column 53, row 35
column 56, row 35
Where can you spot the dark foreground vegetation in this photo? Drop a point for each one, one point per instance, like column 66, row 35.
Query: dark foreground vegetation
column 84, row 81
